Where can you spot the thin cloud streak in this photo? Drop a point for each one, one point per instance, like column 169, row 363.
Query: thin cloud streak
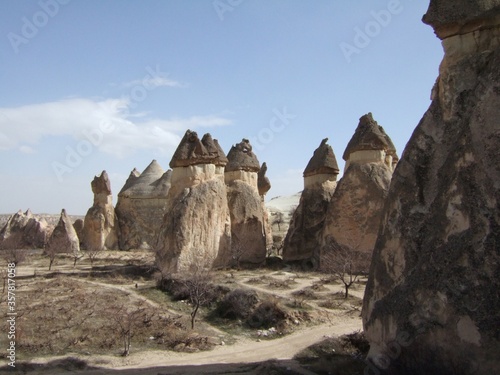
column 25, row 127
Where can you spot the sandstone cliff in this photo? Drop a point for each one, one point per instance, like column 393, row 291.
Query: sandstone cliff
column 303, row 240
column 100, row 226
column 141, row 205
column 432, row 302
column 248, row 237
column 355, row 210
column 196, row 228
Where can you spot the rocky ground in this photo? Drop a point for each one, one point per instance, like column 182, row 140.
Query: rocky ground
column 67, row 320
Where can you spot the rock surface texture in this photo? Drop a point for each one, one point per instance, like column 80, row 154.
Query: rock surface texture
column 264, row 185
column 247, row 211
column 63, row 238
column 355, row 210
column 141, row 205
column 303, row 240
column 100, row 226
column 196, row 229
column 432, row 300
column 23, row 230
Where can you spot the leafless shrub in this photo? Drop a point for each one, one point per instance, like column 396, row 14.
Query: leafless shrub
column 237, row 304
column 128, row 320
column 16, row 256
column 267, row 314
column 345, row 262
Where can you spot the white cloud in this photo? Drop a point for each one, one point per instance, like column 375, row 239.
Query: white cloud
column 107, row 123
column 27, row 150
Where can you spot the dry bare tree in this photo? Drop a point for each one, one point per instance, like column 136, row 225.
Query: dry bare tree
column 51, row 252
column 128, row 320
column 344, row 262
column 16, row 256
column 199, row 284
column 92, row 253
column 279, row 218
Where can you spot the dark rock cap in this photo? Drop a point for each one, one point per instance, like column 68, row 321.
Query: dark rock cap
column 213, row 148
column 456, row 17
column 369, row 136
column 263, row 183
column 192, row 151
column 323, row 161
column 100, row 184
column 241, row 157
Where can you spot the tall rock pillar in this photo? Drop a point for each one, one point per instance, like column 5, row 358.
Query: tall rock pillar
column 100, row 227
column 196, row 230
column 303, row 239
column 248, row 238
column 432, row 302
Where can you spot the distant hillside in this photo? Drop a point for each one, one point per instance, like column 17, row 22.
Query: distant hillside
column 283, row 203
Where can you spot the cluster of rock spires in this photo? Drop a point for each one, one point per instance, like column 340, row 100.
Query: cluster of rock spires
column 208, row 210
column 346, row 213
column 216, row 216
column 23, row 230
column 431, row 303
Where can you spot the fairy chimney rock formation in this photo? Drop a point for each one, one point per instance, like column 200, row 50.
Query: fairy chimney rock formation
column 322, row 167
column 433, row 285
column 370, row 144
column 64, row 238
column 303, row 239
column 242, row 165
column 100, row 226
column 195, row 231
column 248, row 233
column 23, row 230
column 141, row 205
column 196, row 160
column 355, row 210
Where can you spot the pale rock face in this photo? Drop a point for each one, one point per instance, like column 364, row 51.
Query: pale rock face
column 196, row 229
column 64, row 238
column 264, row 185
column 433, row 286
column 246, row 208
column 303, row 239
column 100, row 228
column 78, row 225
column 248, row 234
column 141, row 205
column 23, row 230
column 355, row 210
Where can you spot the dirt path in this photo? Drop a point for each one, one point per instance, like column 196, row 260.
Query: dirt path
column 245, row 351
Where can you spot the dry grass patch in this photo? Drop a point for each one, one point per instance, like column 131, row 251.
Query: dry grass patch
column 63, row 315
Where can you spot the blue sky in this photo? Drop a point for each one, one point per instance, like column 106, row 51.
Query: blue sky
column 88, row 85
